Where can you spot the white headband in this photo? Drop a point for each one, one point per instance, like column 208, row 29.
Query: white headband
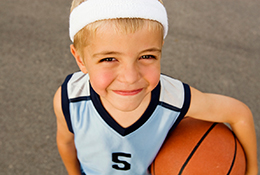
column 94, row 10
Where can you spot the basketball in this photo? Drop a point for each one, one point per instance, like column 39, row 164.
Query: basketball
column 200, row 147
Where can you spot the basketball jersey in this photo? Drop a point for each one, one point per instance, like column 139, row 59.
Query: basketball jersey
column 105, row 147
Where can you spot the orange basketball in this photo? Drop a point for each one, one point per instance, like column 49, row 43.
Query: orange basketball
column 198, row 147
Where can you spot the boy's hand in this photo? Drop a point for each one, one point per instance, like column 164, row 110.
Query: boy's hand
column 253, row 170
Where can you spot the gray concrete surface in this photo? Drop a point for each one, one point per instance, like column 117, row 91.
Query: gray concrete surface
column 212, row 45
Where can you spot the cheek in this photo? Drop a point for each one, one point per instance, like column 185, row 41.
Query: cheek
column 100, row 81
column 153, row 76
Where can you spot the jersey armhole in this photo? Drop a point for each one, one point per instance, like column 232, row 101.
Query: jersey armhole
column 65, row 102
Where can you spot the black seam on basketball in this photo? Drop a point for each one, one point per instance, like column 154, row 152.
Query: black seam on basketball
column 235, row 154
column 196, row 147
column 153, row 167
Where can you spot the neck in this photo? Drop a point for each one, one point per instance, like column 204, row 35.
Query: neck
column 127, row 118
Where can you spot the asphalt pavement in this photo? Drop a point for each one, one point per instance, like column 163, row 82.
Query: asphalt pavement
column 213, row 46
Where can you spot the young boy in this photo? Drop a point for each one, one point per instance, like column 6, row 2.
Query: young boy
column 113, row 116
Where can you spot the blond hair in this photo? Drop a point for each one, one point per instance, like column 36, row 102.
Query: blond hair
column 126, row 25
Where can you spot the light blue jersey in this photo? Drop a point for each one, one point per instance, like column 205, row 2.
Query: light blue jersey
column 103, row 146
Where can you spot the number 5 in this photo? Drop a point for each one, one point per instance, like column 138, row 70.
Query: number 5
column 115, row 158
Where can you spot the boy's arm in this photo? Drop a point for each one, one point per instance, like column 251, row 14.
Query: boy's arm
column 218, row 108
column 65, row 139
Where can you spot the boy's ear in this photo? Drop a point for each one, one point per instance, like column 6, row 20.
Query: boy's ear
column 78, row 59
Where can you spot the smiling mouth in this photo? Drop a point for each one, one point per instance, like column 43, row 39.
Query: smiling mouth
column 127, row 93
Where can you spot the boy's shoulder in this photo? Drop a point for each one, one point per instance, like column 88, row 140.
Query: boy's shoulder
column 76, row 85
column 173, row 91
column 171, row 82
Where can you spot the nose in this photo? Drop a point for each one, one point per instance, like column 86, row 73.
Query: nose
column 129, row 74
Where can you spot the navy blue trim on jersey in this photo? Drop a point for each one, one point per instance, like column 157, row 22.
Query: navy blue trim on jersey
column 65, row 102
column 155, row 95
column 185, row 107
column 166, row 105
column 78, row 99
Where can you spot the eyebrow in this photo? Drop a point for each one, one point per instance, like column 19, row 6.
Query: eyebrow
column 106, row 53
column 118, row 53
column 154, row 49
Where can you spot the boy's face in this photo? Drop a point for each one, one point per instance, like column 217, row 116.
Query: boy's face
column 124, row 68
